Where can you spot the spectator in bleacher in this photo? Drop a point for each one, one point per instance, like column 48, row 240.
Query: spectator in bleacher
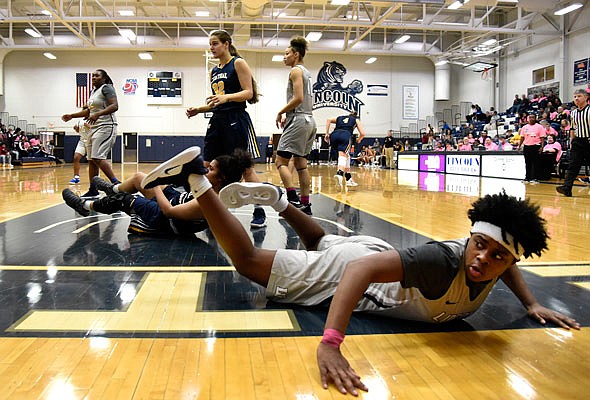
column 377, row 147
column 513, row 138
column 5, row 156
column 407, row 146
column 503, row 145
column 516, row 103
column 449, row 138
column 477, row 145
column 553, row 146
column 490, row 145
column 525, row 103
column 445, row 126
column 548, row 128
column 554, row 99
column 549, row 158
column 465, row 145
column 561, row 114
column 543, row 101
column 449, row 147
column 565, row 128
column 35, row 145
column 482, row 138
column 531, row 143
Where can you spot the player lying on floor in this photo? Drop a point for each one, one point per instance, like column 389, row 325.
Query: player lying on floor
column 434, row 282
column 161, row 210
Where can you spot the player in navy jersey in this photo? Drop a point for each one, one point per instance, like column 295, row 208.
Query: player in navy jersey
column 341, row 140
column 230, row 127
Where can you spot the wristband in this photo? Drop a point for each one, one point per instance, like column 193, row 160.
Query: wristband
column 333, row 337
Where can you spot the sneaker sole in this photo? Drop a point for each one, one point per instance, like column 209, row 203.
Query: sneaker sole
column 239, row 194
column 170, row 168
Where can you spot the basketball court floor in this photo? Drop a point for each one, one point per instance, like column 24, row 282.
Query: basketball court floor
column 88, row 311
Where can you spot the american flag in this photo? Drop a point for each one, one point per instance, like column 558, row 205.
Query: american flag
column 83, row 88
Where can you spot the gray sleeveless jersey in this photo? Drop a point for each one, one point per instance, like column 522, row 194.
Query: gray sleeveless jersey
column 306, row 107
column 99, row 101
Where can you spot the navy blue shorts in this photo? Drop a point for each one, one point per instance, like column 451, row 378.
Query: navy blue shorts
column 227, row 131
column 340, row 140
column 149, row 211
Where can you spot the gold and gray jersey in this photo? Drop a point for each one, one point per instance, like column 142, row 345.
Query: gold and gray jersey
column 98, row 101
column 423, row 265
column 306, row 107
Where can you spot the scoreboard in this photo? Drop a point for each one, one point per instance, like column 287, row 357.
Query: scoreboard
column 164, row 87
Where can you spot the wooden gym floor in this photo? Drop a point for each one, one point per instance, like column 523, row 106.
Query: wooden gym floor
column 90, row 312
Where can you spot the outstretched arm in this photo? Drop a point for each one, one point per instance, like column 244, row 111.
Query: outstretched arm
column 189, row 211
column 375, row 268
column 361, row 130
column 513, row 278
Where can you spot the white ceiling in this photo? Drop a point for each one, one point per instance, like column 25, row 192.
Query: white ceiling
column 361, row 27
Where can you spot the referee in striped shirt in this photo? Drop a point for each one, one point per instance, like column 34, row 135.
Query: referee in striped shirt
column 580, row 141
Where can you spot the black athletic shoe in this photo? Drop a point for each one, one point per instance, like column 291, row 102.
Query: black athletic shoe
column 74, row 202
column 564, row 190
column 114, row 203
column 258, row 218
column 103, row 185
column 91, row 194
column 306, row 208
column 176, row 170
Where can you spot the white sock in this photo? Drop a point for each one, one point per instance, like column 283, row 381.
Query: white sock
column 87, row 204
column 199, row 184
column 116, row 188
column 281, row 205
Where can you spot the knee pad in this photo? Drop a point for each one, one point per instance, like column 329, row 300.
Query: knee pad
column 342, row 162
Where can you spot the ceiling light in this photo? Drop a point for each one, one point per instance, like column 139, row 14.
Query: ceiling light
column 441, row 62
column 277, row 58
column 340, row 2
column 402, row 39
column 568, row 9
column 50, row 56
column 127, row 33
column 313, row 36
column 457, row 4
column 489, row 42
column 33, row 33
column 201, row 13
column 45, row 12
column 145, row 56
column 371, row 60
column 218, row 1
column 126, row 13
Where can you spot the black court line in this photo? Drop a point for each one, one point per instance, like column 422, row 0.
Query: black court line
column 107, row 244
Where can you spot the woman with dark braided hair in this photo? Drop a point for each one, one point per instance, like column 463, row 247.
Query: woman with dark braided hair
column 161, row 210
column 230, row 127
column 436, row 282
column 99, row 113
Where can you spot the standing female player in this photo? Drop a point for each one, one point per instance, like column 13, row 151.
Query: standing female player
column 230, row 127
column 99, row 113
column 299, row 127
column 341, row 139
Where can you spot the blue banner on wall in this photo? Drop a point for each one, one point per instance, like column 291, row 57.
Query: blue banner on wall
column 581, row 72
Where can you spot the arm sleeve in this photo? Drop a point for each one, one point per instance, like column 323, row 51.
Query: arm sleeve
column 429, row 268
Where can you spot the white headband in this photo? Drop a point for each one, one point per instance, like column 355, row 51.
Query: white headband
column 495, row 232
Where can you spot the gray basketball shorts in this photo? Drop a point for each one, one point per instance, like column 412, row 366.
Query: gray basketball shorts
column 102, row 141
column 298, row 134
column 310, row 277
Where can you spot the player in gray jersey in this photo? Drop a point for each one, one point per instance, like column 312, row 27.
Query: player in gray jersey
column 435, row 282
column 299, row 127
column 99, row 113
